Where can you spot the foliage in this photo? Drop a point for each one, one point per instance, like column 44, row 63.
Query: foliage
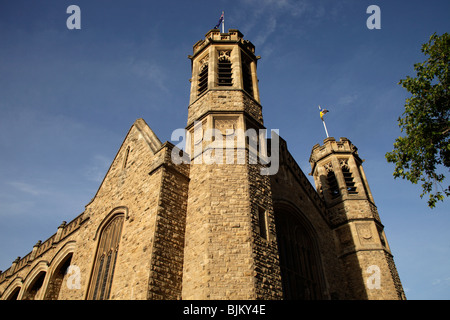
column 423, row 154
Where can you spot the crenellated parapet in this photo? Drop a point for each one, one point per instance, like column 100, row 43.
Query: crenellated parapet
column 215, row 36
column 41, row 250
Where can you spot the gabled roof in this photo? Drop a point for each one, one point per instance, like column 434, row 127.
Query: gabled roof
column 150, row 139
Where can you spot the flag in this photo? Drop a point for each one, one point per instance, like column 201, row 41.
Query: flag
column 322, row 112
column 220, row 21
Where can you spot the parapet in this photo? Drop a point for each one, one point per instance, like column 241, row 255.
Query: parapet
column 216, row 36
column 330, row 146
column 63, row 231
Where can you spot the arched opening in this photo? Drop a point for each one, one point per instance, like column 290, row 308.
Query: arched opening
column 247, row 75
column 57, row 279
column 35, row 287
column 333, row 186
column 203, row 79
column 348, row 178
column 14, row 294
column 300, row 265
column 224, row 72
column 105, row 261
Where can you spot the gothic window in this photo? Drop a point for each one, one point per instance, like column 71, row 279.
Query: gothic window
column 225, row 75
column 106, row 259
column 247, row 76
column 349, row 183
column 35, row 287
column 299, row 259
column 57, row 278
column 332, row 184
column 14, row 295
column 203, row 79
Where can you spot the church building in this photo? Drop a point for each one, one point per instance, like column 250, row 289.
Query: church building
column 231, row 216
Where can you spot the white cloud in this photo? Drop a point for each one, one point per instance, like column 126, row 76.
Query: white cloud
column 27, row 188
column 265, row 17
column 293, row 7
column 347, row 99
column 98, row 168
column 445, row 281
column 152, row 72
column 268, row 29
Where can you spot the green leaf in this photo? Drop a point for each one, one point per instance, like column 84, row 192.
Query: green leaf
column 425, row 149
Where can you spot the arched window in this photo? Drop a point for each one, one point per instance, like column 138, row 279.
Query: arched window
column 57, row 278
column 105, row 259
column 225, row 75
column 34, row 287
column 247, row 76
column 333, row 187
column 349, row 183
column 301, row 269
column 14, row 294
column 203, row 79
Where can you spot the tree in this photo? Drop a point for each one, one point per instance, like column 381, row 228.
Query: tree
column 423, row 154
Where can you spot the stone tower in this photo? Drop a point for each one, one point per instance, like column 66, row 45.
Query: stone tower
column 230, row 241
column 362, row 244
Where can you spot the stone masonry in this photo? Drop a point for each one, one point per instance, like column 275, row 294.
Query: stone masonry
column 213, row 225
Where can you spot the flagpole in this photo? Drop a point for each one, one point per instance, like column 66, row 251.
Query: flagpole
column 322, row 112
column 325, row 126
column 223, row 22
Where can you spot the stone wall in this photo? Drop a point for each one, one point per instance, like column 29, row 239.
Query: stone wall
column 166, row 267
column 224, row 101
column 292, row 191
column 20, row 280
column 265, row 248
column 218, row 258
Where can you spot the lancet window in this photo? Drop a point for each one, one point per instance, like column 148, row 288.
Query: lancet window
column 333, row 187
column 203, row 79
column 225, row 77
column 299, row 259
column 105, row 260
column 348, row 178
column 247, row 75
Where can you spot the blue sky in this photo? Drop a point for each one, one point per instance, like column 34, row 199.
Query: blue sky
column 68, row 98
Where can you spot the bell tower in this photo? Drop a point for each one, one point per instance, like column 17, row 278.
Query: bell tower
column 230, row 241
column 224, row 68
column 362, row 244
